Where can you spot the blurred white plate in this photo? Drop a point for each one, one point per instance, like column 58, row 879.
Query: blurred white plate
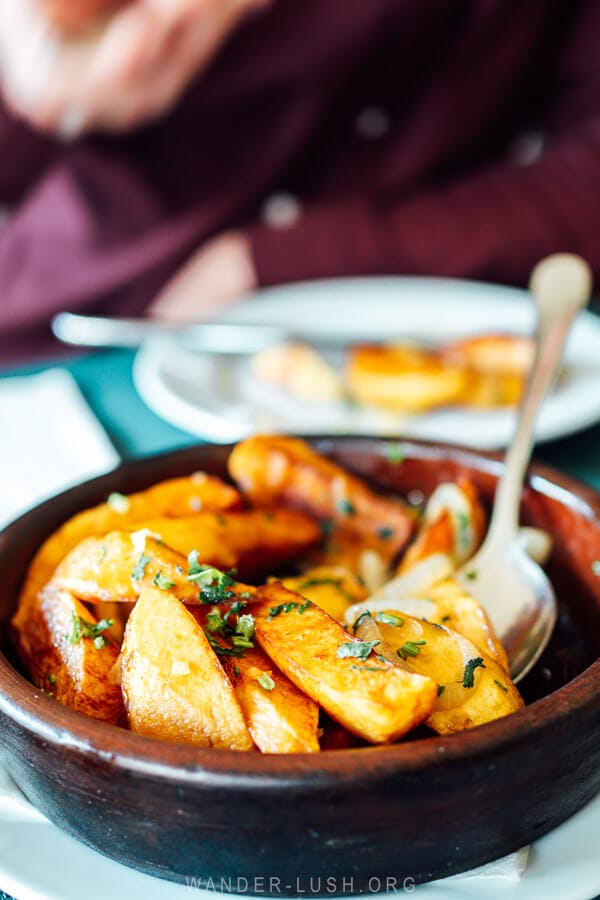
column 218, row 398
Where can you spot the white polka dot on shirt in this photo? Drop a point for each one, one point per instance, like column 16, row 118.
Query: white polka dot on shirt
column 373, row 123
column 281, row 211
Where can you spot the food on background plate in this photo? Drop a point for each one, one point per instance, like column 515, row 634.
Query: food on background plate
column 301, row 610
column 481, row 372
column 75, row 15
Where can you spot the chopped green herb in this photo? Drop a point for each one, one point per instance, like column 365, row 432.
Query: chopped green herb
column 163, row 582
column 215, row 622
column 596, row 567
column 356, row 649
column 140, row 567
column 269, row 515
column 364, row 615
column 387, row 618
column 501, row 686
column 384, row 660
column 178, row 569
column 245, row 626
column 410, row 648
column 472, row 575
column 246, row 595
column 345, row 507
column 266, row 681
column 214, row 584
column 317, row 582
column 469, row 676
column 281, row 608
column 52, row 678
column 446, row 618
column 464, row 530
column 219, row 649
column 103, row 552
column 306, row 605
column 368, row 668
column 385, row 533
column 326, row 527
column 441, row 689
column 118, row 503
column 395, row 454
column 80, row 628
column 236, row 671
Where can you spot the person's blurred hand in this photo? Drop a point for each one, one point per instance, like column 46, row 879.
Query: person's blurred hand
column 215, row 277
column 127, row 69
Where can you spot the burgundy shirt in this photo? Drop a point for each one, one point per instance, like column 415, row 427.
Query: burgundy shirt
column 371, row 136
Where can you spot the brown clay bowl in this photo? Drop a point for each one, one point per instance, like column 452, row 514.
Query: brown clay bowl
column 422, row 809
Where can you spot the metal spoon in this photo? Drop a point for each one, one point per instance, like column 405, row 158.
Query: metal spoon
column 513, row 589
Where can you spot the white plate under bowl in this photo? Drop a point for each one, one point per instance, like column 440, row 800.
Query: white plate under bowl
column 218, row 398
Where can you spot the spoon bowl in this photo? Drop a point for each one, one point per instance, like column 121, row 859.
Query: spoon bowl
column 512, row 588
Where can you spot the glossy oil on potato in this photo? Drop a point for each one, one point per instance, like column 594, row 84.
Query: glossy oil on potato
column 174, row 686
column 370, row 699
column 80, row 675
column 287, row 471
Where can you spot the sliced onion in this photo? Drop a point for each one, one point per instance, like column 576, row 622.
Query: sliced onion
column 450, row 498
column 455, row 694
column 419, row 578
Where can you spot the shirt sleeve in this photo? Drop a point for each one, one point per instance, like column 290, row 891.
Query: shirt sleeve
column 494, row 223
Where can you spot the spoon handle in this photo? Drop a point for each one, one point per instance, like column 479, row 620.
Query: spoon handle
column 561, row 285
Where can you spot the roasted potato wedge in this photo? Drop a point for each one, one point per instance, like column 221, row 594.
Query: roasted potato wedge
column 174, row 686
column 76, row 669
column 494, row 354
column 373, row 700
column 280, row 718
column 119, row 566
column 403, row 379
column 255, row 542
column 474, row 688
column 179, row 497
column 333, row 588
column 287, row 471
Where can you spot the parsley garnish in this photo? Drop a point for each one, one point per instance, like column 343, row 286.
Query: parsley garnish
column 469, row 676
column 281, row 608
column 501, row 686
column 345, row 507
column 52, row 678
column 140, row 567
column 266, row 681
column 394, row 454
column 446, row 618
column 236, row 671
column 326, row 526
column 410, row 648
column 472, row 575
column 364, row 615
column 389, row 619
column 118, row 503
column 368, row 669
column 317, row 582
column 385, row 533
column 441, row 689
column 306, row 605
column 240, row 634
column 163, row 582
column 214, row 584
column 80, row 628
column 356, row 649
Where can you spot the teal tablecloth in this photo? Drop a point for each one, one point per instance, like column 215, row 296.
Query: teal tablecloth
column 106, row 382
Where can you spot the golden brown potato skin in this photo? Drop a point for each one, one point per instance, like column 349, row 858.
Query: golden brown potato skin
column 78, row 675
column 287, row 471
column 333, row 588
column 102, row 569
column 373, row 701
column 167, row 498
column 281, row 720
column 174, row 686
column 255, row 542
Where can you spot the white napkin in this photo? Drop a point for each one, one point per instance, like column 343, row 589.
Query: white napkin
column 49, row 440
